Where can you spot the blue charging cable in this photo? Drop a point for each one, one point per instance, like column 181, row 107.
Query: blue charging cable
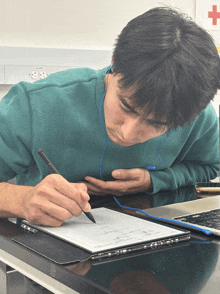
column 172, row 221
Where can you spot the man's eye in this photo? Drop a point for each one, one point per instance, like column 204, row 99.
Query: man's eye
column 125, row 109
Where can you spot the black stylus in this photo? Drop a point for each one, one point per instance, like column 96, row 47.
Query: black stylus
column 55, row 171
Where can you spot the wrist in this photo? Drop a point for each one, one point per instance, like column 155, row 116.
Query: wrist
column 12, row 201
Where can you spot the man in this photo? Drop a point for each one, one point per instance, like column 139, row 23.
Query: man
column 143, row 124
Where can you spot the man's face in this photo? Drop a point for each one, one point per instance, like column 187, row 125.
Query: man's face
column 124, row 124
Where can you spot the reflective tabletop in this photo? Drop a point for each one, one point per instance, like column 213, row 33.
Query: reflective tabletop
column 191, row 267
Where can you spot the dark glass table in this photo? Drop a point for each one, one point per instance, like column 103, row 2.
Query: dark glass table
column 192, row 267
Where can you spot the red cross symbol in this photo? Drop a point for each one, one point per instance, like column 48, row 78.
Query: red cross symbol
column 214, row 15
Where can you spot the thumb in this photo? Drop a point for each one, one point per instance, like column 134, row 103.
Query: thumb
column 126, row 174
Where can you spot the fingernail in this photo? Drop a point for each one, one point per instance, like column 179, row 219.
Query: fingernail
column 84, row 197
column 87, row 207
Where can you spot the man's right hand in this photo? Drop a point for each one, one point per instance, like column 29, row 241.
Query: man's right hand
column 53, row 201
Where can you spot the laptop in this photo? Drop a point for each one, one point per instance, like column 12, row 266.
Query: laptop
column 201, row 214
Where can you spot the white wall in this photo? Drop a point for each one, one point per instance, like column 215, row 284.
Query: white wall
column 75, row 24
column 72, row 23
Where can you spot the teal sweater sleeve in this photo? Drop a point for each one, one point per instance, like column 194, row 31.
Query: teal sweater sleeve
column 15, row 134
column 201, row 164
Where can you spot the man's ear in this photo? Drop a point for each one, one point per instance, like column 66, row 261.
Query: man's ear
column 111, row 69
column 112, row 65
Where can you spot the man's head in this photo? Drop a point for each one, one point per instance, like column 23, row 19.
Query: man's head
column 167, row 67
column 125, row 124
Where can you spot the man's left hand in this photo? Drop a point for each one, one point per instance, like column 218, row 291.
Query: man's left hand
column 128, row 181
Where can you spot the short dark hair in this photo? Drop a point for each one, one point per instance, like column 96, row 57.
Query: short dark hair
column 173, row 62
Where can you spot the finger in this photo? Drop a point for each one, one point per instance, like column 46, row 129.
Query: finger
column 48, row 198
column 62, row 213
column 84, row 195
column 50, row 207
column 94, row 190
column 66, row 188
column 108, row 185
column 117, row 187
column 69, row 190
column 89, row 190
column 128, row 174
column 94, row 181
column 96, row 186
column 80, row 186
column 47, row 220
column 38, row 216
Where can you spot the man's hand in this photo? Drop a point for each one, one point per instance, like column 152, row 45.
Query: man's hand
column 54, row 200
column 128, row 181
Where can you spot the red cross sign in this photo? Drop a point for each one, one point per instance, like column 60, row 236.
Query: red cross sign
column 214, row 15
column 208, row 14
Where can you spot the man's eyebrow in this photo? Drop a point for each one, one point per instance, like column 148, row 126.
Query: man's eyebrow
column 123, row 101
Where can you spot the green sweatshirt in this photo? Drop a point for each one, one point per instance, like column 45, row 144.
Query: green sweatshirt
column 60, row 115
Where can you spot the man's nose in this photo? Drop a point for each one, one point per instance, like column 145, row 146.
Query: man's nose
column 130, row 129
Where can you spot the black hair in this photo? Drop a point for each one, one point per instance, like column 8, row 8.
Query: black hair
column 172, row 64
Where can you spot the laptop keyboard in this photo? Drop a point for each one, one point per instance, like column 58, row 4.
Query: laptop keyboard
column 210, row 219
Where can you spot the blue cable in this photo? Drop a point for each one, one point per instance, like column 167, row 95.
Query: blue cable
column 155, row 167
column 207, row 232
column 103, row 125
column 201, row 242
